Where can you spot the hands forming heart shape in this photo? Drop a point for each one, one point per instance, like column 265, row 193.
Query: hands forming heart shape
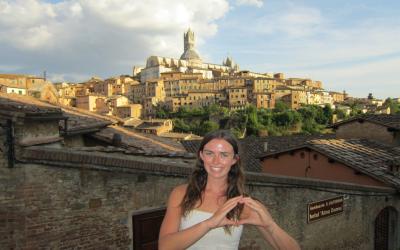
column 254, row 213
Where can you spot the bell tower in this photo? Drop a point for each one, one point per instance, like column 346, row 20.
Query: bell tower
column 189, row 40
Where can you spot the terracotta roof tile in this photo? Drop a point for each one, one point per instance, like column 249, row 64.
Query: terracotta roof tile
column 109, row 158
column 138, row 141
column 27, row 105
column 82, row 122
column 368, row 157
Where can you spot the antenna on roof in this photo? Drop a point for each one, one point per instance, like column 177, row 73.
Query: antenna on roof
column 44, row 75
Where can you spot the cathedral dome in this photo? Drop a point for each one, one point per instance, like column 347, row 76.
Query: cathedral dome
column 190, row 54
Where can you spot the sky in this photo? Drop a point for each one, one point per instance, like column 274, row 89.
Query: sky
column 350, row 45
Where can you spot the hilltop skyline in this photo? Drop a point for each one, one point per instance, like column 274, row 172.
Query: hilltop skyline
column 350, row 46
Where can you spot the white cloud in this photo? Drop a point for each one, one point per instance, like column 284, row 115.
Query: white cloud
column 23, row 23
column 361, row 55
column 296, row 21
column 257, row 3
column 361, row 79
column 100, row 36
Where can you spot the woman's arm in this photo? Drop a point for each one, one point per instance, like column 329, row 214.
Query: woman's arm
column 171, row 238
column 257, row 214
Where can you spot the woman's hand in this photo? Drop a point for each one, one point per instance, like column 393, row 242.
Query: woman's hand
column 257, row 214
column 219, row 218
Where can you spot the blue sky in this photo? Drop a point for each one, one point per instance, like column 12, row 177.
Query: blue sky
column 349, row 45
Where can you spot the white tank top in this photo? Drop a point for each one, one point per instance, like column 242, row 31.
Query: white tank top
column 215, row 239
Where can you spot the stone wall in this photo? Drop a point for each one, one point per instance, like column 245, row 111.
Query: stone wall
column 4, row 130
column 48, row 207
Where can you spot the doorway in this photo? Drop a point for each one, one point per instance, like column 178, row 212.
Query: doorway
column 146, row 227
column 386, row 228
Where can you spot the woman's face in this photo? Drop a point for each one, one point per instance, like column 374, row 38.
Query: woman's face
column 218, row 157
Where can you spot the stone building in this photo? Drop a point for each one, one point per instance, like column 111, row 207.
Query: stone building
column 193, row 99
column 12, row 84
column 21, row 81
column 104, row 88
column 129, row 111
column 236, row 97
column 90, row 102
column 30, row 85
column 66, row 93
column 337, row 97
column 382, row 128
column 263, row 100
column 295, row 99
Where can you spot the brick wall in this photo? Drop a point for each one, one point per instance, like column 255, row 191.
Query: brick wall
column 82, row 207
column 59, row 208
column 352, row 229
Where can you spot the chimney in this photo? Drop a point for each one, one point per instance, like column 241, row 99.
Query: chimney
column 265, row 146
column 394, row 166
column 116, row 140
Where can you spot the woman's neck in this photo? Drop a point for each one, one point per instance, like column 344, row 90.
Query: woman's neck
column 216, row 186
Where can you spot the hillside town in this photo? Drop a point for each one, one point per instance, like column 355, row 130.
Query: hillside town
column 187, row 82
column 89, row 165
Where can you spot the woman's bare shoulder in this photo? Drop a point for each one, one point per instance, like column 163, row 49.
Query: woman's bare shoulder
column 181, row 188
column 177, row 194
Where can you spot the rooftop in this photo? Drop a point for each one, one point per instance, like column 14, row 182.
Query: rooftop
column 139, row 142
column 368, row 157
column 390, row 121
column 26, row 106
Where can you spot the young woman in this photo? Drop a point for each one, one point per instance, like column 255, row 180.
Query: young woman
column 209, row 212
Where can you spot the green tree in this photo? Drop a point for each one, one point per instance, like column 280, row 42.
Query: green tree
column 340, row 113
column 327, row 113
column 162, row 112
column 264, row 117
column 281, row 106
column 181, row 126
column 311, row 127
column 394, row 106
column 287, row 118
column 207, row 126
column 237, row 122
column 252, row 125
column 308, row 112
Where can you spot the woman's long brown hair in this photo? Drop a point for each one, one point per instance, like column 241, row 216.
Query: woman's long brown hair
column 198, row 178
